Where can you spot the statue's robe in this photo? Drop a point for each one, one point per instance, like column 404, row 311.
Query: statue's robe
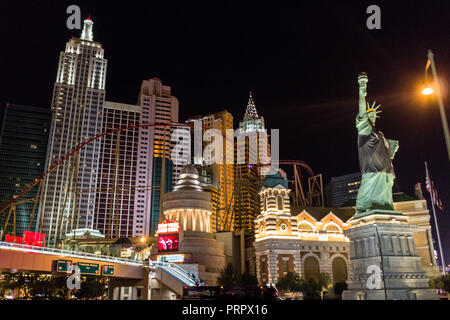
column 375, row 154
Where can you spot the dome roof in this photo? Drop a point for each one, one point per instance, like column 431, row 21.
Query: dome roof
column 188, row 179
column 189, row 169
column 273, row 180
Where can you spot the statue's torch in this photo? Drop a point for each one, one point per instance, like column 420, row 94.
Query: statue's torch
column 362, row 81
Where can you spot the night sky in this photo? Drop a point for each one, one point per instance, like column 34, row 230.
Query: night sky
column 301, row 63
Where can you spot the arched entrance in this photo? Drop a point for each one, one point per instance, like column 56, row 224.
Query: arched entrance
column 339, row 268
column 312, row 268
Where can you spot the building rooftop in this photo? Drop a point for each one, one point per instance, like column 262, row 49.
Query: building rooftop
column 319, row 213
column 250, row 112
column 188, row 179
column 273, row 180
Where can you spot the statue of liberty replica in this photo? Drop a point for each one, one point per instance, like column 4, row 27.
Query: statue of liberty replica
column 384, row 262
column 375, row 157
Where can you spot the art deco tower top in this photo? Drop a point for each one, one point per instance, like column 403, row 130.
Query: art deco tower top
column 251, row 112
column 87, row 33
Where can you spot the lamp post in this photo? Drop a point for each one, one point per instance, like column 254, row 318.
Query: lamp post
column 428, row 90
column 381, row 262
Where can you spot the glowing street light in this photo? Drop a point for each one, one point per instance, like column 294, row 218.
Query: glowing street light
column 428, row 90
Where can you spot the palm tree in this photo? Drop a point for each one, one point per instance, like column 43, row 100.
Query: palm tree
column 324, row 283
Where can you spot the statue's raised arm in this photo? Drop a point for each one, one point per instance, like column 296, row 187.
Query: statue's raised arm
column 365, row 120
column 362, row 80
column 375, row 154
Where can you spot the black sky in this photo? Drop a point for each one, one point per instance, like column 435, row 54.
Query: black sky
column 300, row 62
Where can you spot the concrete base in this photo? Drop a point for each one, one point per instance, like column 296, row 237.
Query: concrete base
column 392, row 294
column 129, row 289
column 382, row 248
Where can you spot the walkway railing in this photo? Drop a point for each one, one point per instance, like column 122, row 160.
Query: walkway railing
column 177, row 272
column 66, row 253
column 174, row 270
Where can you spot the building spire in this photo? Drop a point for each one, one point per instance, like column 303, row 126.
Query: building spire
column 251, row 112
column 87, row 33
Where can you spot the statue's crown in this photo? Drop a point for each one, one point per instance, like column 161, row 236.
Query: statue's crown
column 373, row 108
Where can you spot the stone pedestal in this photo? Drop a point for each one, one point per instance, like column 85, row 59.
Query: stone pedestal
column 382, row 246
column 203, row 249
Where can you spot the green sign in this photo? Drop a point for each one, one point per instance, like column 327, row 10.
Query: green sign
column 63, row 265
column 89, row 268
column 107, row 270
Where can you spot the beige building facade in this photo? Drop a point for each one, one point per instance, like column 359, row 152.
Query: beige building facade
column 311, row 240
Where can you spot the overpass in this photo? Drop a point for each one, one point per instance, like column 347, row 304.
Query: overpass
column 131, row 279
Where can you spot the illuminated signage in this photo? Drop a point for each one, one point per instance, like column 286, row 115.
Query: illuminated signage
column 63, row 265
column 34, row 238
column 107, row 270
column 171, row 258
column 168, row 227
column 126, row 253
column 168, row 243
column 13, row 239
column 88, row 268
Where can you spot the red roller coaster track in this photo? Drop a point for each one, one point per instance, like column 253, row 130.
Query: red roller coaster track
column 142, row 125
column 80, row 146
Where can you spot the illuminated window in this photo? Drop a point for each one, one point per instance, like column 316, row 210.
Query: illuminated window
column 285, row 266
column 305, row 227
column 280, row 202
column 332, row 228
column 33, row 146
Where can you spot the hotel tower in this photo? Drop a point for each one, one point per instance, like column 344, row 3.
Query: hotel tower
column 69, row 195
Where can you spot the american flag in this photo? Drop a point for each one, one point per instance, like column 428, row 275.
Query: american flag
column 433, row 193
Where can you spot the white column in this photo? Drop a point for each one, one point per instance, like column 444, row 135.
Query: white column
column 184, row 219
column 203, row 219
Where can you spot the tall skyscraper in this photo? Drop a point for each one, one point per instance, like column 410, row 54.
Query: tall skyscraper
column 157, row 106
column 222, row 175
column 23, row 149
column 247, row 167
column 77, row 105
column 115, row 205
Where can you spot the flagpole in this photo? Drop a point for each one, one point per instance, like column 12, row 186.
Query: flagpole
column 435, row 221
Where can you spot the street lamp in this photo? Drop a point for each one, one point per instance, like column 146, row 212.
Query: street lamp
column 428, row 90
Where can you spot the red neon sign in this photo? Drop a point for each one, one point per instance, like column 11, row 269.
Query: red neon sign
column 34, row 238
column 13, row 239
column 168, row 227
column 168, row 243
